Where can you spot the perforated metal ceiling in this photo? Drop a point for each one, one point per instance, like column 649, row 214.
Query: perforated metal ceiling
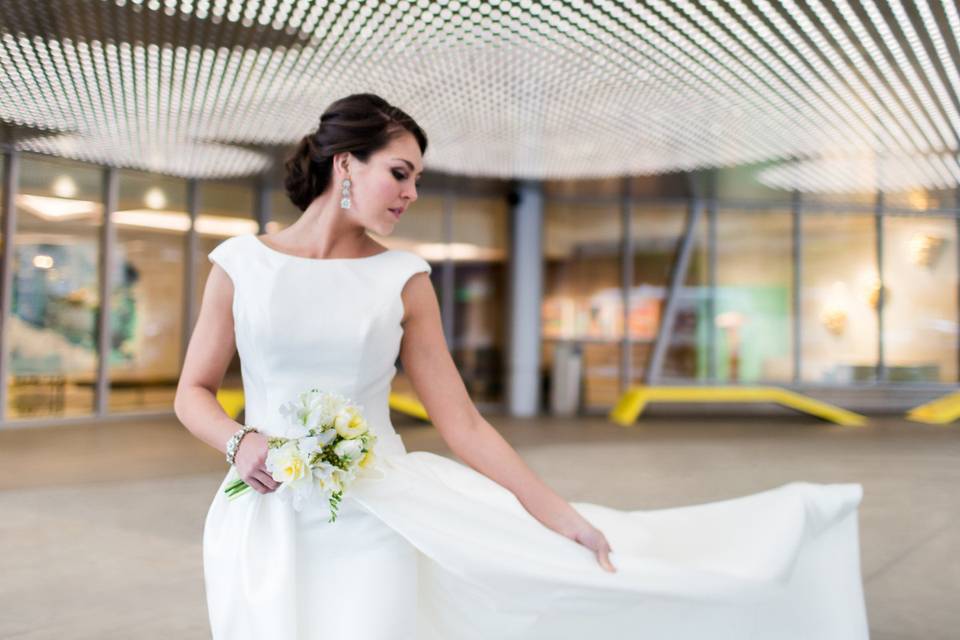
column 851, row 97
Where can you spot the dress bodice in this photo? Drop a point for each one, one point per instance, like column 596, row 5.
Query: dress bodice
column 331, row 324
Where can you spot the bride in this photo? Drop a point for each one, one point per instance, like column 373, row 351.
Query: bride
column 430, row 548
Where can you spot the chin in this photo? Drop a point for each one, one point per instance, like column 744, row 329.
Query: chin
column 385, row 230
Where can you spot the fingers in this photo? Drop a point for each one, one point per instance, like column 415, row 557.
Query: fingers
column 265, row 479
column 603, row 555
column 256, row 485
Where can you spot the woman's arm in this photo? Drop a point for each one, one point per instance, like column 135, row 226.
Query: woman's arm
column 209, row 352
column 431, row 369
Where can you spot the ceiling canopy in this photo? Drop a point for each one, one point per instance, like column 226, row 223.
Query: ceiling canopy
column 850, row 96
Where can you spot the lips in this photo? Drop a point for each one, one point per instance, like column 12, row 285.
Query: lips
column 397, row 212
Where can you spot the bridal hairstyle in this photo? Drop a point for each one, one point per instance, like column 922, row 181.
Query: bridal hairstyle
column 361, row 123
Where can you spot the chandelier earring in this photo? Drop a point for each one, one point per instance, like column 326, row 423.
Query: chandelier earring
column 345, row 194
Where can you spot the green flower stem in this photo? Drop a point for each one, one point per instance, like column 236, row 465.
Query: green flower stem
column 236, row 488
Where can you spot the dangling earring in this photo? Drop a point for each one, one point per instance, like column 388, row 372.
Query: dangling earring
column 345, row 193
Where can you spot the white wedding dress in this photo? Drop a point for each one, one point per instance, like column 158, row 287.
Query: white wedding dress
column 433, row 550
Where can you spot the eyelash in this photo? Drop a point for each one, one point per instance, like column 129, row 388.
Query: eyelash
column 403, row 176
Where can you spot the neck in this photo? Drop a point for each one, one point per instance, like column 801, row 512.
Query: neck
column 324, row 230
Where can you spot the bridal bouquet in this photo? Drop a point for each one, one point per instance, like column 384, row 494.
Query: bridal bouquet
column 328, row 444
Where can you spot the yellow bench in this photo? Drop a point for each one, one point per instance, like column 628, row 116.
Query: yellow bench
column 940, row 411
column 632, row 402
column 232, row 402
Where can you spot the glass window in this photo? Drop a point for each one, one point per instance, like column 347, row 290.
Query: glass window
column 685, row 356
column 920, row 309
column 151, row 221
column 753, row 301
column 839, row 297
column 591, row 187
column 922, row 199
column 661, row 185
column 656, row 230
column 55, row 301
column 480, row 228
column 582, row 300
column 742, row 183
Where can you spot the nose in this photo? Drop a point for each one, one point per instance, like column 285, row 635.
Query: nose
column 412, row 193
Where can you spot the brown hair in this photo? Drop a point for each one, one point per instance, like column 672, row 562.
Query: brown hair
column 361, row 123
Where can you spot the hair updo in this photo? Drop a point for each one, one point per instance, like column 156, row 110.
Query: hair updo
column 361, row 123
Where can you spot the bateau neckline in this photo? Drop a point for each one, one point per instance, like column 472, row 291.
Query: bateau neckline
column 289, row 255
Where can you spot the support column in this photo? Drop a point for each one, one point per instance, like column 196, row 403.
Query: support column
column 262, row 204
column 107, row 260
column 526, row 294
column 796, row 322
column 712, row 224
column 448, row 283
column 881, row 298
column 626, row 282
column 191, row 246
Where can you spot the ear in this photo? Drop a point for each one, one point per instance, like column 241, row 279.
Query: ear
column 342, row 162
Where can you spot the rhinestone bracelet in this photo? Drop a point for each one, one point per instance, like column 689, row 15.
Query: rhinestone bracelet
column 233, row 444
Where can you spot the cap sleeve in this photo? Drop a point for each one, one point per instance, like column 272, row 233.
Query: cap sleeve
column 413, row 264
column 410, row 264
column 225, row 255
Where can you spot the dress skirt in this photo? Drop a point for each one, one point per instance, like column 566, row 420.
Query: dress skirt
column 426, row 548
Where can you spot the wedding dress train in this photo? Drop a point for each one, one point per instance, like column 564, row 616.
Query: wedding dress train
column 430, row 549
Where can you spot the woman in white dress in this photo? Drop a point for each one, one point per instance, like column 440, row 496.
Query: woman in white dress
column 431, row 548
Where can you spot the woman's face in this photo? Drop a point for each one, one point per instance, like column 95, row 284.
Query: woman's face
column 382, row 189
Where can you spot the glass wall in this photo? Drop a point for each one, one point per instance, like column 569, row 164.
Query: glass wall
column 55, row 299
column 840, row 292
column 151, row 222
column 583, row 301
column 655, row 229
column 688, row 342
column 752, row 307
column 734, row 319
column 920, row 311
column 480, row 228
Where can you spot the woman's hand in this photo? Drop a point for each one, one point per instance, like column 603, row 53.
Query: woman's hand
column 593, row 539
column 251, row 463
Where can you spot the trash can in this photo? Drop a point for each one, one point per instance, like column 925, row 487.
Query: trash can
column 565, row 379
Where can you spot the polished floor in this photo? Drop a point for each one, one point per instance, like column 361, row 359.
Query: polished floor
column 100, row 528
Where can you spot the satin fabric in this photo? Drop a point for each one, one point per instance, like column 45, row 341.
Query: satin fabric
column 426, row 548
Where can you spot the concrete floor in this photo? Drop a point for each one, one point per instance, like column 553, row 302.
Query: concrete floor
column 101, row 527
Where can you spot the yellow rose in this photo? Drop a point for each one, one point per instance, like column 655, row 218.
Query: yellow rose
column 349, row 423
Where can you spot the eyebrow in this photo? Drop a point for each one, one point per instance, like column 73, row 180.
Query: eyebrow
column 408, row 163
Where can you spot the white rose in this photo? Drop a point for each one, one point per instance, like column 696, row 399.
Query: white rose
column 351, row 449
column 327, row 436
column 310, row 445
column 287, row 463
column 349, row 423
column 323, row 474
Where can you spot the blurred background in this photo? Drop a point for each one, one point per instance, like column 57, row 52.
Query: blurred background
column 619, row 197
